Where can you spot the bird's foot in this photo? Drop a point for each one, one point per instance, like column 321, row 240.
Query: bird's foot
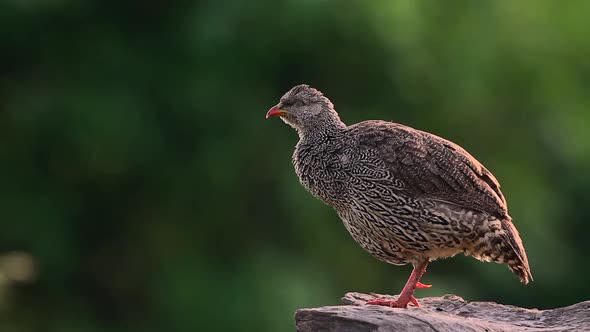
column 421, row 285
column 399, row 303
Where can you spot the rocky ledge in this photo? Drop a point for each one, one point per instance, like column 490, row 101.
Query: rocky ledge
column 442, row 314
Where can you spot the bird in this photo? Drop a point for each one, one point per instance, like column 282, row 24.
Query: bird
column 404, row 195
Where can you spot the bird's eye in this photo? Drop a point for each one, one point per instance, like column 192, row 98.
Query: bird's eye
column 287, row 103
column 299, row 103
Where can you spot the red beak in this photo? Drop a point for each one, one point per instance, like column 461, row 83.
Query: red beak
column 275, row 110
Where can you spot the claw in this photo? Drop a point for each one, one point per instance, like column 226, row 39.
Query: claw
column 421, row 285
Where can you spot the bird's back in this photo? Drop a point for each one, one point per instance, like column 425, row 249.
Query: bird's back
column 431, row 167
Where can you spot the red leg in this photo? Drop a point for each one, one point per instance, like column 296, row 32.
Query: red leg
column 407, row 294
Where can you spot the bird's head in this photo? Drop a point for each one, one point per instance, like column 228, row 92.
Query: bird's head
column 305, row 108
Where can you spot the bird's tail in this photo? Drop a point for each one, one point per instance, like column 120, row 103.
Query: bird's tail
column 502, row 244
column 513, row 253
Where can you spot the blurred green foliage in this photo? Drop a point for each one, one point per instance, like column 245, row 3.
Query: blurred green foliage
column 139, row 175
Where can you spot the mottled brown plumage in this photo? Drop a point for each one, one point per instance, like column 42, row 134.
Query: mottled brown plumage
column 406, row 196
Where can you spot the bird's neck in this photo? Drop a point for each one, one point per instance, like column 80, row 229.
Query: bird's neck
column 313, row 159
column 321, row 128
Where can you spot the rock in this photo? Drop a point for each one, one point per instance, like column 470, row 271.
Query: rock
column 442, row 314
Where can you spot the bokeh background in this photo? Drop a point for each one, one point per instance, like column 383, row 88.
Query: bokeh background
column 141, row 188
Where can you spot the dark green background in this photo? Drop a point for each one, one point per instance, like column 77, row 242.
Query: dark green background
column 138, row 171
